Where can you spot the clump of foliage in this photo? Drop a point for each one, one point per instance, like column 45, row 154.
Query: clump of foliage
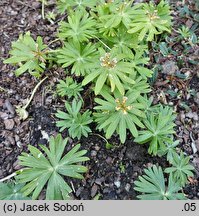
column 69, row 88
column 29, row 55
column 111, row 68
column 150, row 20
column 64, row 5
column 41, row 170
column 159, row 128
column 152, row 185
column 119, row 113
column 73, row 120
column 181, row 169
column 81, row 57
column 104, row 44
column 80, row 27
column 169, row 149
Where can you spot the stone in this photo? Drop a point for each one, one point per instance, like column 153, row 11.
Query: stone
column 9, row 124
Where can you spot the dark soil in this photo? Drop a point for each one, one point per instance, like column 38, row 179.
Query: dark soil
column 111, row 172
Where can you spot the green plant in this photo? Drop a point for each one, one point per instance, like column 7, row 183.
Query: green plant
column 112, row 68
column 125, row 42
column 11, row 191
column 150, row 20
column 181, row 169
column 69, row 88
column 152, row 185
column 41, row 170
column 169, row 149
column 81, row 57
column 51, row 16
column 184, row 32
column 119, row 113
column 159, row 127
column 64, row 5
column 119, row 12
column 29, row 55
column 73, row 120
column 80, row 27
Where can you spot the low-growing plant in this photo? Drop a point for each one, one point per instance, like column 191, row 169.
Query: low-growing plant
column 150, row 20
column 184, row 32
column 29, row 55
column 12, row 191
column 116, row 13
column 152, row 185
column 169, row 149
column 64, row 5
column 42, row 171
column 74, row 121
column 79, row 26
column 69, row 88
column 81, row 57
column 159, row 128
column 119, row 113
column 181, row 169
column 105, row 43
column 111, row 68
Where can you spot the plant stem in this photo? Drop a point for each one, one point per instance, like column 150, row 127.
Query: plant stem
column 101, row 137
column 103, row 43
column 8, row 177
column 51, row 42
column 33, row 93
column 42, row 9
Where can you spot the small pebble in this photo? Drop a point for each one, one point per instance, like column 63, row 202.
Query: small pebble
column 9, row 124
column 9, row 107
column 117, row 184
column 127, row 187
column 93, row 153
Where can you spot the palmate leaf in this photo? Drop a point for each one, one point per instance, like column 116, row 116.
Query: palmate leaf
column 28, row 55
column 140, row 85
column 82, row 58
column 119, row 113
column 150, row 20
column 125, row 42
column 79, row 27
column 152, row 185
column 119, row 13
column 74, row 121
column 139, row 61
column 110, row 68
column 181, row 169
column 64, row 5
column 159, row 128
column 11, row 191
column 169, row 149
column 69, row 88
column 111, row 15
column 41, row 171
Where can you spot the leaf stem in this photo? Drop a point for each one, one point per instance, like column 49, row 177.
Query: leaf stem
column 103, row 43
